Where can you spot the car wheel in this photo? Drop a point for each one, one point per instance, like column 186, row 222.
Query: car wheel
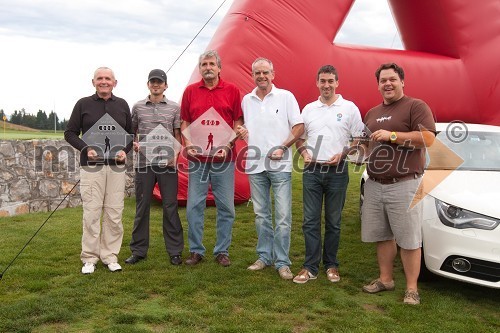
column 425, row 274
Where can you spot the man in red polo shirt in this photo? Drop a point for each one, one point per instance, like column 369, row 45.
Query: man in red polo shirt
column 215, row 105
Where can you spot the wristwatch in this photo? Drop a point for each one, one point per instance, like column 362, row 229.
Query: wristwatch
column 284, row 148
column 393, row 137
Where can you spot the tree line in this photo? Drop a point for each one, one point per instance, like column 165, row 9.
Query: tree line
column 40, row 121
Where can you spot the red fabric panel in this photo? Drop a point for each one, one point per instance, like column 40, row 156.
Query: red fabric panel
column 451, row 56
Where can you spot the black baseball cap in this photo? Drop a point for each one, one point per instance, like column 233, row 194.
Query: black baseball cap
column 157, row 74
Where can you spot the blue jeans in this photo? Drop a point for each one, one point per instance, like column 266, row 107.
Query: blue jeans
column 221, row 177
column 328, row 184
column 273, row 244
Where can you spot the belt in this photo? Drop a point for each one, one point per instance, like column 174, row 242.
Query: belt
column 317, row 165
column 385, row 181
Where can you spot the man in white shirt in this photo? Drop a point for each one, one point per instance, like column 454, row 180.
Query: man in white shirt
column 330, row 123
column 272, row 118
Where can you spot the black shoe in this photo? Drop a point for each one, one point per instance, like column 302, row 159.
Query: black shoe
column 176, row 260
column 133, row 259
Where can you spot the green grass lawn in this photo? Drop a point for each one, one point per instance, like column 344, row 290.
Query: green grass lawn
column 44, row 291
column 26, row 135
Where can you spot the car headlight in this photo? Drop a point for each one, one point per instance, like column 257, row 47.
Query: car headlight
column 456, row 217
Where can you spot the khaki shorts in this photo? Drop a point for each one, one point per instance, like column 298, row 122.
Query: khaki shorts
column 386, row 214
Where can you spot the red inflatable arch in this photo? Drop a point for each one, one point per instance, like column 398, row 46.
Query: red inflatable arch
column 451, row 56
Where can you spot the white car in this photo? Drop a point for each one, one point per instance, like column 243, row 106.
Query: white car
column 460, row 230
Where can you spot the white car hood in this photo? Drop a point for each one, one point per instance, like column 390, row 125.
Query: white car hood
column 477, row 191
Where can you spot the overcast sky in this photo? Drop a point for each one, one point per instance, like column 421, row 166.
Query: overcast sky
column 50, row 48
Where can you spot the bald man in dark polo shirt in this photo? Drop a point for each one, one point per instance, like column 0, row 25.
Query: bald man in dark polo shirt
column 102, row 181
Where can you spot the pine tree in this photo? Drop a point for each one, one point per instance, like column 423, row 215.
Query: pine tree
column 41, row 120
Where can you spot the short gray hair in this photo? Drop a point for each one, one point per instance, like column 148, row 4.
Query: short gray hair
column 105, row 68
column 262, row 59
column 210, row 54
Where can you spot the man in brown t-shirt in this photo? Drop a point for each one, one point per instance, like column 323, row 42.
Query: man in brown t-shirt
column 402, row 127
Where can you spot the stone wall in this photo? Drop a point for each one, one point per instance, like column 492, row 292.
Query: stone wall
column 36, row 175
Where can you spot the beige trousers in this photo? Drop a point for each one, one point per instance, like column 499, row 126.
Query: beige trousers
column 102, row 189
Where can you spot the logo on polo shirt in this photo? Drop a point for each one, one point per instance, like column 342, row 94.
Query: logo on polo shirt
column 382, row 119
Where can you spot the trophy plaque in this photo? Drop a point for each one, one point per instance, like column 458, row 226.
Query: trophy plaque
column 158, row 147
column 209, row 133
column 361, row 147
column 106, row 137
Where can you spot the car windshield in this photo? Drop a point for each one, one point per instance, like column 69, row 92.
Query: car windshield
column 479, row 150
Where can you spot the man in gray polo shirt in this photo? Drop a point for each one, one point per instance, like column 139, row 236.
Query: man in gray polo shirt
column 156, row 125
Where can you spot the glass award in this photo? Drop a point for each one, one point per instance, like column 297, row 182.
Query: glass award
column 360, row 147
column 209, row 133
column 158, row 147
column 106, row 137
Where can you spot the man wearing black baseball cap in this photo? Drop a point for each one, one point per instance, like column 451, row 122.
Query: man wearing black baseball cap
column 157, row 74
column 156, row 113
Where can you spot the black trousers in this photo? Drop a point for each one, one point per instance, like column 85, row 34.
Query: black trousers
column 145, row 180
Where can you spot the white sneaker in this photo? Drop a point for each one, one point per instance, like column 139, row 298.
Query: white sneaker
column 114, row 267
column 88, row 268
column 285, row 273
column 257, row 266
